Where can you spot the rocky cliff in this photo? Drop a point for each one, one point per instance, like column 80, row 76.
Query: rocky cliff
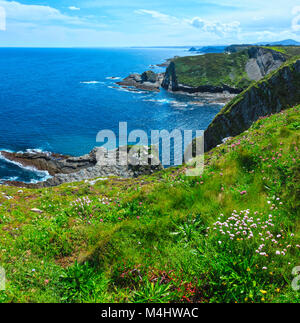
column 215, row 73
column 262, row 62
column 278, row 91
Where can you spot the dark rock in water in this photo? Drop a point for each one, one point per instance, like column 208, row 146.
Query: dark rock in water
column 148, row 81
column 124, row 162
column 208, row 49
column 149, row 76
column 53, row 163
column 212, row 49
column 170, row 82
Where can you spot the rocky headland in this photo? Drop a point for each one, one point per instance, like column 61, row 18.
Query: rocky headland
column 148, row 81
column 221, row 74
column 126, row 162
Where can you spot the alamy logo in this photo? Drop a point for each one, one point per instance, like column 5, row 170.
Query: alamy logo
column 2, row 19
column 186, row 148
column 296, row 280
column 2, row 278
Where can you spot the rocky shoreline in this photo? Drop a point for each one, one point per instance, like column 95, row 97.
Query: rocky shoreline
column 261, row 62
column 126, row 162
column 148, row 81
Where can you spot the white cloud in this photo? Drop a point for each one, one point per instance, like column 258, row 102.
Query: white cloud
column 2, row 19
column 296, row 10
column 214, row 27
column 258, row 18
column 32, row 13
column 158, row 15
column 43, row 15
column 74, row 8
column 296, row 19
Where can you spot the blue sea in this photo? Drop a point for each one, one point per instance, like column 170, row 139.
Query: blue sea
column 57, row 100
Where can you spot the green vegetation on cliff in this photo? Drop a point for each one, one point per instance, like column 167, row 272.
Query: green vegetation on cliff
column 277, row 91
column 290, row 51
column 230, row 68
column 213, row 69
column 231, row 235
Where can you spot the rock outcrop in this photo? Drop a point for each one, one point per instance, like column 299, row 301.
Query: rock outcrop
column 257, row 63
column 262, row 62
column 148, row 81
column 53, row 163
column 125, row 162
column 276, row 92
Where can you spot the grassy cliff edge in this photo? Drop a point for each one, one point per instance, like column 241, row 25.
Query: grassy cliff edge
column 231, row 235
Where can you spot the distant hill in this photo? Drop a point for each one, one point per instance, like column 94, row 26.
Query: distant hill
column 208, row 49
column 286, row 42
column 237, row 47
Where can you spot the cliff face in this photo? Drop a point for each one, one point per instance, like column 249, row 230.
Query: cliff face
column 278, row 91
column 215, row 73
column 262, row 61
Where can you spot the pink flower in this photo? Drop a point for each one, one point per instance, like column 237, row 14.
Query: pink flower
column 138, row 217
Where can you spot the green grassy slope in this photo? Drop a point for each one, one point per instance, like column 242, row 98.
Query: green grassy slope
column 213, row 69
column 231, row 235
column 222, row 69
column 290, row 51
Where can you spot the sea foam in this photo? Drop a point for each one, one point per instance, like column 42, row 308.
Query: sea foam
column 42, row 173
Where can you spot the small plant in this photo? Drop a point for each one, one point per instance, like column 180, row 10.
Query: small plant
column 151, row 292
column 80, row 283
column 191, row 228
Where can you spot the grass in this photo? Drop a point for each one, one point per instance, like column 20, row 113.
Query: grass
column 222, row 69
column 165, row 237
column 213, row 69
column 290, row 51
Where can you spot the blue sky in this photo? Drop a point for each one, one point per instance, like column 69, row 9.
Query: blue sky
column 106, row 23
